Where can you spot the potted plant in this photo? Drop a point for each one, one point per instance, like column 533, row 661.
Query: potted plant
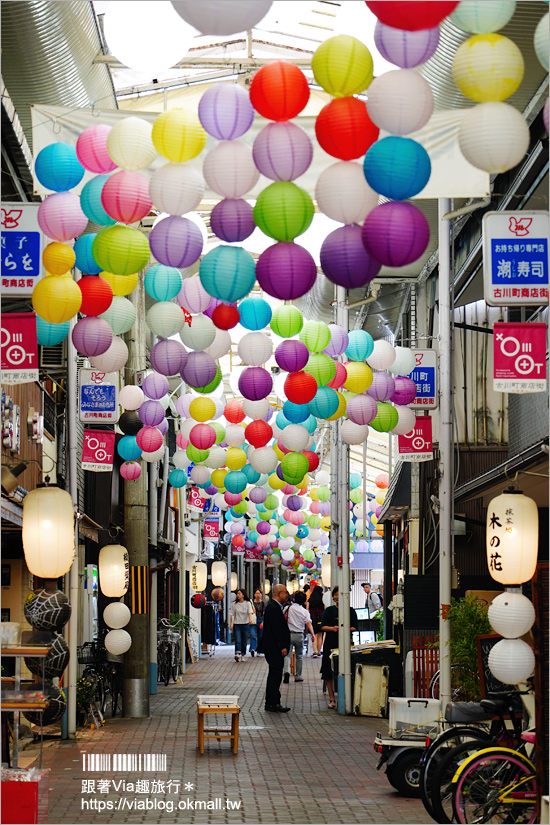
column 84, row 691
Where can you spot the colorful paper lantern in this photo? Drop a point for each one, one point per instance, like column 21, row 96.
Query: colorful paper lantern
column 324, row 404
column 382, row 387
column 401, row 15
column 300, row 387
column 97, row 295
column 404, row 391
column 255, row 383
column 176, row 188
column 286, row 321
column 406, row 419
column 396, row 233
column 400, row 102
column 232, row 220
column 58, row 258
column 488, row 68
column 48, row 335
column 216, row 17
column 168, row 357
column 149, row 439
column 121, row 249
column 229, row 169
column 322, row 367
column 225, row 111
column 283, row 211
column 282, row 151
column 57, row 167
column 255, row 313
column 478, row 17
column 228, row 273
column 315, row 335
column 120, row 316
column 192, row 296
column 155, row 386
column 385, row 419
column 56, row 299
column 130, row 470
column 151, row 413
column 131, row 397
column 344, row 259
column 233, row 411
column 200, row 334
column 294, row 467
column 286, row 271
column 162, row 282
column 113, row 359
column 128, row 449
column 295, row 413
column 403, row 48
column 494, row 137
column 92, row 336
column 178, row 135
column 359, row 376
column 176, row 241
column 397, row 167
column 360, row 345
column 344, row 128
column 60, row 216
column 342, row 66
column 361, row 409
column 90, row 201
column 91, row 149
column 343, row 194
column 351, row 433
column 279, row 91
column 225, row 316
column 130, row 145
column 165, row 319
column 202, row 436
column 292, row 356
column 382, row 355
column 540, row 42
column 125, row 196
column 84, row 259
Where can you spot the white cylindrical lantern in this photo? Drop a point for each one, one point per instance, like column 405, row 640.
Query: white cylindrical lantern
column 219, row 574
column 325, row 571
column 234, row 582
column 48, row 532
column 114, row 570
column 199, row 576
column 118, row 642
column 512, row 538
column 116, row 615
column 267, row 587
column 511, row 661
column 511, row 614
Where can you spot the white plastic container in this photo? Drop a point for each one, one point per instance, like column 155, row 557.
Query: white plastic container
column 409, row 717
column 11, row 634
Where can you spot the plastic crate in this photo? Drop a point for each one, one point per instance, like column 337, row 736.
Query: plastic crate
column 411, row 717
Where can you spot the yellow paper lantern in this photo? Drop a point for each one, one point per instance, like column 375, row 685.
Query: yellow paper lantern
column 217, row 478
column 303, row 485
column 280, row 454
column 359, row 376
column 380, row 496
column 114, row 570
column 178, row 135
column 325, row 523
column 313, row 494
column 235, row 458
column 202, row 409
column 341, row 410
column 275, row 482
column 121, row 284
column 58, row 258
column 129, row 144
column 342, row 66
column 488, row 67
column 48, row 532
column 56, row 298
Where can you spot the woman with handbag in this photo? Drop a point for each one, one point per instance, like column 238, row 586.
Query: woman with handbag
column 239, row 622
column 256, row 621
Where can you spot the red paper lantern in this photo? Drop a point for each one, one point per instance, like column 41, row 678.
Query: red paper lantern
column 258, row 433
column 202, row 436
column 225, row 316
column 282, row 448
column 97, row 294
column 313, row 460
column 300, row 387
column 340, row 378
column 238, row 541
column 279, row 91
column 344, row 128
column 402, row 14
column 198, row 600
column 233, row 411
column 149, row 439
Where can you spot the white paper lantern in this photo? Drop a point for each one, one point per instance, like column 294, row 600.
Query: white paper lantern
column 193, row 296
column 221, row 344
column 480, row 17
column 48, row 532
column 200, row 334
column 219, row 501
column 294, row 438
column 353, row 433
column 511, row 661
column 264, row 460
column 512, row 538
column 322, row 478
column 118, row 642
column 256, row 409
column 180, row 460
column 325, row 571
column 406, row 420
column 200, row 474
column 220, row 17
column 400, row 101
column 198, row 576
column 377, row 546
column 493, row 137
column 176, row 188
column 114, row 570
column 234, row 435
column 216, row 458
column 165, row 319
column 186, row 427
column 343, row 194
column 157, row 455
column 130, row 144
column 540, row 41
column 314, row 535
column 404, row 362
column 219, row 574
column 114, row 359
column 291, row 529
column 131, row 397
column 511, row 614
column 255, row 349
column 229, row 169
column 382, row 355
column 117, row 615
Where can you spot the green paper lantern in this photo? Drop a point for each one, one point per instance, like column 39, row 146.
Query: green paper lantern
column 287, row 321
column 212, row 385
column 120, row 316
column 294, row 465
column 314, row 521
column 266, row 515
column 220, row 430
column 356, row 495
column 121, row 249
column 323, row 493
column 271, row 502
column 283, row 211
column 342, row 66
column 321, row 366
column 252, row 523
column 316, row 336
column 195, row 455
column 386, row 418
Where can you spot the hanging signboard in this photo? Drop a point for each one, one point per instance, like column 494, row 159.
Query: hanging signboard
column 417, row 445
column 424, row 376
column 212, row 529
column 98, row 396
column 519, row 358
column 211, row 508
column 19, row 348
column 196, row 501
column 22, row 247
column 98, row 450
column 253, row 554
column 515, row 258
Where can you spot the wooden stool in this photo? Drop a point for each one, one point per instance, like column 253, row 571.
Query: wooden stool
column 293, row 662
column 218, row 704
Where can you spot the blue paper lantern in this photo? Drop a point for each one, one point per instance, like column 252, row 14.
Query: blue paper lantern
column 90, row 201
column 253, row 536
column 128, row 448
column 177, row 478
column 58, row 168
column 84, row 259
column 355, row 480
column 251, row 475
column 281, row 420
column 255, row 313
column 303, row 531
column 360, row 345
column 397, row 167
column 325, row 403
column 162, row 282
column 228, row 273
column 311, row 423
column 295, row 413
column 235, row 482
column 48, row 335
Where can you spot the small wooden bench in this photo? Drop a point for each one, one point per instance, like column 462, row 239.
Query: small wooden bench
column 218, row 704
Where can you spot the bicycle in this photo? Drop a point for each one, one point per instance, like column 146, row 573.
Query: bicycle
column 107, row 676
column 168, row 652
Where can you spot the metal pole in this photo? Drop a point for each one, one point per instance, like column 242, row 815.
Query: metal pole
column 445, row 451
column 73, row 573
column 182, row 505
column 153, row 514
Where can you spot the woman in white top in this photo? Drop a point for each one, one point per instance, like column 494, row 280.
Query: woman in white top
column 239, row 622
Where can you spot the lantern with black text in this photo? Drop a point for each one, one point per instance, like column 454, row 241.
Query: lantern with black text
column 512, row 538
column 114, row 570
column 199, row 573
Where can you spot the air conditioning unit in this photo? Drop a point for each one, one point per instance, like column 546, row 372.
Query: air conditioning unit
column 54, row 359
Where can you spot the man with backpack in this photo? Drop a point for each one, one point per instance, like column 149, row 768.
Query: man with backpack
column 372, row 602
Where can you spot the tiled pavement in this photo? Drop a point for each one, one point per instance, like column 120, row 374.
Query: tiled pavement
column 307, row 766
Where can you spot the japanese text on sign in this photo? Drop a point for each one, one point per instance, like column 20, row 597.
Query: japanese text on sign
column 98, row 396
column 98, row 450
column 22, row 244
column 417, row 445
column 424, row 376
column 19, row 348
column 519, row 358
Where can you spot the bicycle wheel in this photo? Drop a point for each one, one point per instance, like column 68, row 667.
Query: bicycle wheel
column 498, row 785
column 115, row 686
column 441, row 790
column 98, row 694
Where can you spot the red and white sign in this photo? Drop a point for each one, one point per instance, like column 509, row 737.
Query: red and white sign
column 196, row 500
column 417, row 445
column 212, row 529
column 519, row 358
column 253, row 554
column 19, row 348
column 98, row 450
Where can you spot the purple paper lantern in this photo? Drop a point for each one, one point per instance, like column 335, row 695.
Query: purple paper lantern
column 404, row 392
column 395, row 233
column 200, row 369
column 151, row 413
column 155, row 386
column 361, row 547
column 262, row 528
column 344, row 259
column 168, row 357
column 291, row 355
column 339, row 341
column 279, row 472
column 361, row 409
column 92, row 336
column 232, row 220
column 294, row 503
column 193, row 296
column 257, row 495
column 163, row 426
column 405, row 48
column 286, row 271
column 176, row 241
column 255, row 383
column 282, row 151
column 382, row 386
column 324, row 508
column 225, row 111
column 182, row 405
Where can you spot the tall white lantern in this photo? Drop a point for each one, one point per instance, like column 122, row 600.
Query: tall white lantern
column 114, row 570
column 512, row 538
column 219, row 574
column 48, row 532
column 267, row 587
column 234, row 582
column 325, row 570
column 199, row 576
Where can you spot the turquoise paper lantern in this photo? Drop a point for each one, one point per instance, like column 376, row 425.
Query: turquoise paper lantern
column 228, row 273
column 360, row 345
column 251, row 475
column 162, row 282
column 128, row 448
column 397, row 167
column 235, row 482
column 84, row 258
column 295, row 413
column 311, row 423
column 58, row 168
column 325, row 403
column 48, row 335
column 255, row 313
column 178, row 478
column 282, row 421
column 355, row 480
column 90, row 201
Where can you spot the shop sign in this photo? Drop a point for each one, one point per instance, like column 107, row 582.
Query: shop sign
column 424, row 376
column 98, row 450
column 253, row 554
column 519, row 358
column 196, row 500
column 417, row 445
column 19, row 348
column 211, row 529
column 22, row 247
column 98, row 396
column 515, row 258
column 211, row 508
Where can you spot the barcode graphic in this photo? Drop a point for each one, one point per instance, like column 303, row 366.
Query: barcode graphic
column 124, row 762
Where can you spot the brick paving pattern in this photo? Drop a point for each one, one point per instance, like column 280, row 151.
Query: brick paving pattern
column 307, row 766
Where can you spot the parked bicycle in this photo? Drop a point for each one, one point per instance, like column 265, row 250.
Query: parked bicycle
column 107, row 677
column 169, row 651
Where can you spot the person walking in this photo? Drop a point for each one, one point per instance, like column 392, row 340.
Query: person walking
column 275, row 644
column 256, row 626
column 316, row 608
column 298, row 619
column 329, row 626
column 239, row 622
column 372, row 602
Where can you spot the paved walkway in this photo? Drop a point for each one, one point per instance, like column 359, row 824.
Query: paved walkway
column 307, row 766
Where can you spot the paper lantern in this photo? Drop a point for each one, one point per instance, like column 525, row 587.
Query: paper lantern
column 202, row 436
column 294, row 438
column 286, row 271
column 130, row 470
column 200, row 334
column 283, row 211
column 84, row 259
column 255, row 313
column 178, row 135
column 232, row 220
column 200, row 370
column 168, row 357
column 130, row 145
column 351, row 433
column 341, row 406
column 512, row 538
column 162, row 282
column 121, row 249
column 228, row 273
column 403, row 48
column 114, row 570
column 56, row 299
column 157, row 455
column 257, row 409
column 360, row 345
column 48, row 532
column 255, row 349
column 235, row 482
column 315, row 335
column 406, row 420
column 400, row 102
column 120, row 316
column 192, row 296
column 216, row 17
column 540, row 41
column 404, row 391
column 478, row 17
column 225, row 111
column 343, row 194
column 90, row 201
column 295, row 413
column 233, row 411
column 97, row 295
column 300, row 387
column 118, row 642
column 322, row 367
column 511, row 661
column 125, row 196
column 60, row 216
column 202, row 409
column 258, row 433
column 219, row 574
column 128, row 449
column 130, row 397
column 234, row 437
column 255, row 383
column 264, row 460
column 344, row 128
column 151, row 413
column 324, row 404
column 92, row 336
column 91, row 149
column 113, row 359
column 287, row 321
column 359, row 376
column 383, row 387
column 176, row 188
column 235, row 459
column 344, row 259
column 382, row 480
column 488, row 68
column 396, row 233
column 165, row 319
column 397, row 167
column 338, row 341
column 342, row 66
column 282, row 151
column 279, row 91
column 48, row 335
column 58, row 258
column 405, row 361
column 400, row 14
column 361, row 409
column 149, row 439
column 176, row 241
column 493, row 137
column 511, row 614
column 116, row 615
column 229, row 169
column 294, row 467
column 57, row 167
column 386, row 418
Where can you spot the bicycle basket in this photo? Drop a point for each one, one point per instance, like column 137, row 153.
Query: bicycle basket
column 168, row 635
column 91, row 653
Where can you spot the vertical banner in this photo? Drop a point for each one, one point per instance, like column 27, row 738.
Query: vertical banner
column 139, row 578
column 19, row 348
column 424, row 376
column 211, row 529
column 98, row 450
column 196, row 501
column 417, row 445
column 519, row 358
column 22, row 247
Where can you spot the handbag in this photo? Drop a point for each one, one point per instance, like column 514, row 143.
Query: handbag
column 253, row 616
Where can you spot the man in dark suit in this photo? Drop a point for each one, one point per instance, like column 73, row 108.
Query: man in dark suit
column 275, row 644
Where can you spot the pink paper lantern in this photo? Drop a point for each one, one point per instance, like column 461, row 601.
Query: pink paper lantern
column 340, row 378
column 61, row 218
column 125, row 196
column 91, row 150
column 193, row 297
column 155, row 386
column 130, row 470
column 202, row 436
column 149, row 439
column 92, row 336
column 231, row 499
